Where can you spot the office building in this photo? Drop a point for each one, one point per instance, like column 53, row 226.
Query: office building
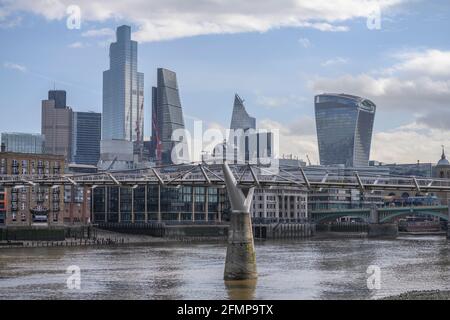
column 123, row 91
column 56, row 125
column 240, row 119
column 23, row 142
column 344, row 129
column 280, row 203
column 154, row 203
column 341, row 198
column 245, row 144
column 59, row 96
column 406, row 169
column 86, row 134
column 167, row 116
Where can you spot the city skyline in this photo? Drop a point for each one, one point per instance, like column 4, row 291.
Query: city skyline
column 391, row 62
column 279, row 150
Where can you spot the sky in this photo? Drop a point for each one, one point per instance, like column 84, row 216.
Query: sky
column 276, row 54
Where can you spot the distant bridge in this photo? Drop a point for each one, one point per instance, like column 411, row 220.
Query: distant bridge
column 384, row 214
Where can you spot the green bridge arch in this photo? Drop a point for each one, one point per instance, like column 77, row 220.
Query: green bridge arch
column 391, row 216
column 384, row 214
column 326, row 215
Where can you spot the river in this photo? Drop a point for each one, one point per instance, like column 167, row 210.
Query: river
column 303, row 269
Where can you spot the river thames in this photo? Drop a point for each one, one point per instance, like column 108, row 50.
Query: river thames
column 303, row 269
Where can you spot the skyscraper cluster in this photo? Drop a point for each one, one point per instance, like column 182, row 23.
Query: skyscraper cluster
column 115, row 138
column 74, row 135
column 123, row 108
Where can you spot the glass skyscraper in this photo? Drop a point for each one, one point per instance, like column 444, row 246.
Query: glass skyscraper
column 86, row 132
column 167, row 115
column 123, row 91
column 344, row 129
column 240, row 119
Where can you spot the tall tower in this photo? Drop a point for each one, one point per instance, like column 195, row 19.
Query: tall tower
column 86, row 133
column 240, row 119
column 123, row 91
column 344, row 129
column 56, row 124
column 167, row 115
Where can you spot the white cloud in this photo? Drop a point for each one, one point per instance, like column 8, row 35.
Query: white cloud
column 14, row 66
column 414, row 84
column 390, row 93
column 324, row 27
column 334, row 61
column 431, row 62
column 305, row 42
column 103, row 32
column 11, row 22
column 409, row 143
column 273, row 102
column 171, row 19
column 77, row 45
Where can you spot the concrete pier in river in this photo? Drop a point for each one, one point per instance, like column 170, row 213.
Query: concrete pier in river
column 240, row 262
column 380, row 230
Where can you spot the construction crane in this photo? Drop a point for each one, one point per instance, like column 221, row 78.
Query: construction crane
column 309, row 161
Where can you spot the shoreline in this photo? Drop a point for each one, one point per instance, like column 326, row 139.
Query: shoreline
column 105, row 238
column 111, row 238
column 421, row 295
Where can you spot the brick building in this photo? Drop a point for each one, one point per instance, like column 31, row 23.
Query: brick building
column 27, row 204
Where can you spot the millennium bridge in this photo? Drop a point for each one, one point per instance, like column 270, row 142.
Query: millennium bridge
column 248, row 175
column 240, row 182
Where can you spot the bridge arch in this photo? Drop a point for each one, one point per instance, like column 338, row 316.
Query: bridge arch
column 390, row 216
column 330, row 216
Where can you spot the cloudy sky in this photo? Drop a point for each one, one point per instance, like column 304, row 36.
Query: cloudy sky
column 276, row 54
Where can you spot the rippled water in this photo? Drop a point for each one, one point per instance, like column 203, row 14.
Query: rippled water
column 304, row 269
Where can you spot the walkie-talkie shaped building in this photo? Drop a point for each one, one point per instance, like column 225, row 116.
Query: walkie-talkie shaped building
column 344, row 129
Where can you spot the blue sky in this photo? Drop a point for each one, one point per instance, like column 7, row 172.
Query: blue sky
column 276, row 56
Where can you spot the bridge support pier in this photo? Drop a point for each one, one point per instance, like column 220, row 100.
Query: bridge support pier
column 240, row 262
column 380, row 230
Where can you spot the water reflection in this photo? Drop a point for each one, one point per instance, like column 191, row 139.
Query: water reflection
column 241, row 289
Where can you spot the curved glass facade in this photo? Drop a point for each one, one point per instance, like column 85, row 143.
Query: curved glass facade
column 344, row 129
column 167, row 114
